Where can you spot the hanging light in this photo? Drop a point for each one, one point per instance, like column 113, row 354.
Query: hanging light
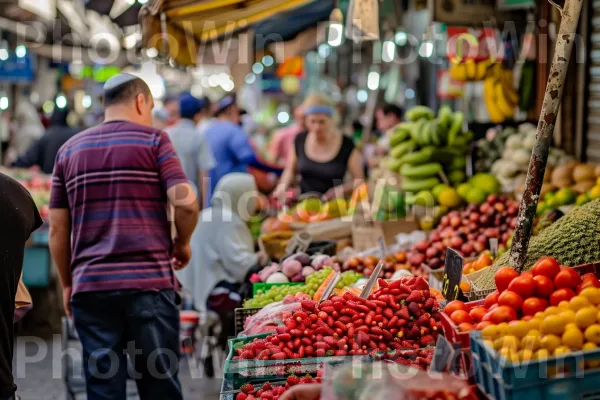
column 86, row 101
column 373, row 80
column 258, row 68
column 283, row 117
column 388, row 51
column 3, row 103
column 152, row 52
column 335, row 32
column 426, row 49
column 401, row 38
column 324, row 51
column 61, row 101
column 250, row 78
column 268, row 60
column 362, row 96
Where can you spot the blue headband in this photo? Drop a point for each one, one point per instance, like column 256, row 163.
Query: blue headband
column 319, row 110
column 224, row 103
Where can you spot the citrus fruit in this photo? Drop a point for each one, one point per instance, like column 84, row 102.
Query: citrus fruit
column 531, row 341
column 502, row 329
column 552, row 310
column 490, row 332
column 592, row 294
column 571, row 325
column 592, row 334
column 518, row 328
column 561, row 351
column 586, row 317
column 595, row 192
column 550, row 342
column 553, row 324
column 476, row 196
column 439, row 188
column 563, row 305
column 535, row 323
column 508, row 341
column 578, row 302
column 568, row 316
column 573, row 339
column 450, row 198
column 541, row 354
column 510, row 355
column 525, row 355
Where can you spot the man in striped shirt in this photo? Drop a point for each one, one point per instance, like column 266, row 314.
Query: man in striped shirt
column 110, row 237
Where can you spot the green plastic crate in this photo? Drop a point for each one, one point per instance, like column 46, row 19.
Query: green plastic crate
column 266, row 286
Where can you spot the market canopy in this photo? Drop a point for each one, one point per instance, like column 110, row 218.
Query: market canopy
column 189, row 24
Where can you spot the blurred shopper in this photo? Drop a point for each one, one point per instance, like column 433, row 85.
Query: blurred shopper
column 110, row 237
column 27, row 129
column 171, row 105
column 283, row 139
column 322, row 156
column 230, row 144
column 388, row 116
column 18, row 219
column 160, row 118
column 43, row 151
column 193, row 151
column 224, row 250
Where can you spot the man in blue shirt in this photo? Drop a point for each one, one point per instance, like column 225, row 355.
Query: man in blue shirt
column 230, row 144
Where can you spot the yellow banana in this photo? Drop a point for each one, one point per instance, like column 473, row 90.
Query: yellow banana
column 505, row 106
column 482, row 68
column 458, row 72
column 471, row 68
column 489, row 97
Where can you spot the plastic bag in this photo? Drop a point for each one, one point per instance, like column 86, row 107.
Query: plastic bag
column 270, row 317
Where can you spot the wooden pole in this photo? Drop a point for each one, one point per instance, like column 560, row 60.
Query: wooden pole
column 545, row 129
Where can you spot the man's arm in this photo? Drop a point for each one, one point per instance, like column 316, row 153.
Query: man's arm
column 60, row 248
column 203, row 188
column 184, row 201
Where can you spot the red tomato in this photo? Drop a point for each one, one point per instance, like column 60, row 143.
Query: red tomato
column 588, row 280
column 524, row 286
column 527, row 273
column 543, row 286
column 482, row 325
column 504, row 277
column 527, row 318
column 491, row 299
column 560, row 295
column 510, row 299
column 546, row 266
column 502, row 314
column 461, row 316
column 533, row 305
column 454, row 306
column 477, row 313
column 465, row 327
column 567, row 278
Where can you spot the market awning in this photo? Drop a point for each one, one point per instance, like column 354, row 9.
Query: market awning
column 192, row 23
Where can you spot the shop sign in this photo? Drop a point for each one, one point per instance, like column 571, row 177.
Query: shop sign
column 17, row 69
column 466, row 43
column 466, row 12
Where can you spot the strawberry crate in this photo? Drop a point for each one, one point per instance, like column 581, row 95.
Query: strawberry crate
column 240, row 315
column 454, row 336
column 561, row 377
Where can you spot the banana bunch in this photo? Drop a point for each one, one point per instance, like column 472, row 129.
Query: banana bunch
column 499, row 94
column 426, row 146
column 470, row 70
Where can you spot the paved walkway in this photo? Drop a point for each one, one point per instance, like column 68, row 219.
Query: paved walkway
column 37, row 368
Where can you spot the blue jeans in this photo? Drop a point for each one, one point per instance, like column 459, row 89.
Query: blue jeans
column 142, row 324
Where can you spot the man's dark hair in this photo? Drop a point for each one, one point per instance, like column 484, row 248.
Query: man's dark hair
column 392, row 109
column 126, row 92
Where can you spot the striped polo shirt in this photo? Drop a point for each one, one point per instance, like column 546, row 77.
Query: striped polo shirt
column 113, row 178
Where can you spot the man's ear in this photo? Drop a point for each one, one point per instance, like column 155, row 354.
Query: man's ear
column 139, row 103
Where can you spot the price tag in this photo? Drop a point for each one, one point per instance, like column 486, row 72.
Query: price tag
column 452, row 275
column 494, row 247
column 445, row 357
column 297, row 244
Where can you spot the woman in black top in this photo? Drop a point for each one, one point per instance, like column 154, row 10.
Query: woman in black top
column 322, row 156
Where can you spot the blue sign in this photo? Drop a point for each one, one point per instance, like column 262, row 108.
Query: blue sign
column 17, row 69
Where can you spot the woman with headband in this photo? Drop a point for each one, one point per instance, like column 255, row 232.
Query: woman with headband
column 322, row 156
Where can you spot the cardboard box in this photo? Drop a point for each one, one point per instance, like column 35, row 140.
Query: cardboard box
column 365, row 233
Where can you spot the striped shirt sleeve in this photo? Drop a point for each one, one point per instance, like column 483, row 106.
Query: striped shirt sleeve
column 169, row 167
column 58, row 193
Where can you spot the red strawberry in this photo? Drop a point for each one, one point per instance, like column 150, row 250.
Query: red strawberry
column 259, row 393
column 403, row 313
column 241, row 396
column 427, row 340
column 428, row 305
column 267, row 395
column 415, row 295
column 300, row 316
column 247, row 355
column 414, row 309
column 293, row 380
column 267, row 386
column 413, row 333
column 281, row 329
column 423, row 320
column 290, row 323
column 362, row 337
column 306, row 379
column 278, row 356
column 420, row 284
column 247, row 388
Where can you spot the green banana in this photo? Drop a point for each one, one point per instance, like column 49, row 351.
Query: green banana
column 418, row 157
column 456, row 128
column 415, row 132
column 392, row 164
column 458, row 163
column 457, row 177
column 436, row 128
column 419, row 112
column 443, row 156
column 399, row 150
column 421, row 171
column 398, row 137
column 425, row 134
column 417, row 185
column 445, row 116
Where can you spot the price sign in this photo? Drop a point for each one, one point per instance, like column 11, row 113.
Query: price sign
column 445, row 357
column 494, row 247
column 452, row 275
